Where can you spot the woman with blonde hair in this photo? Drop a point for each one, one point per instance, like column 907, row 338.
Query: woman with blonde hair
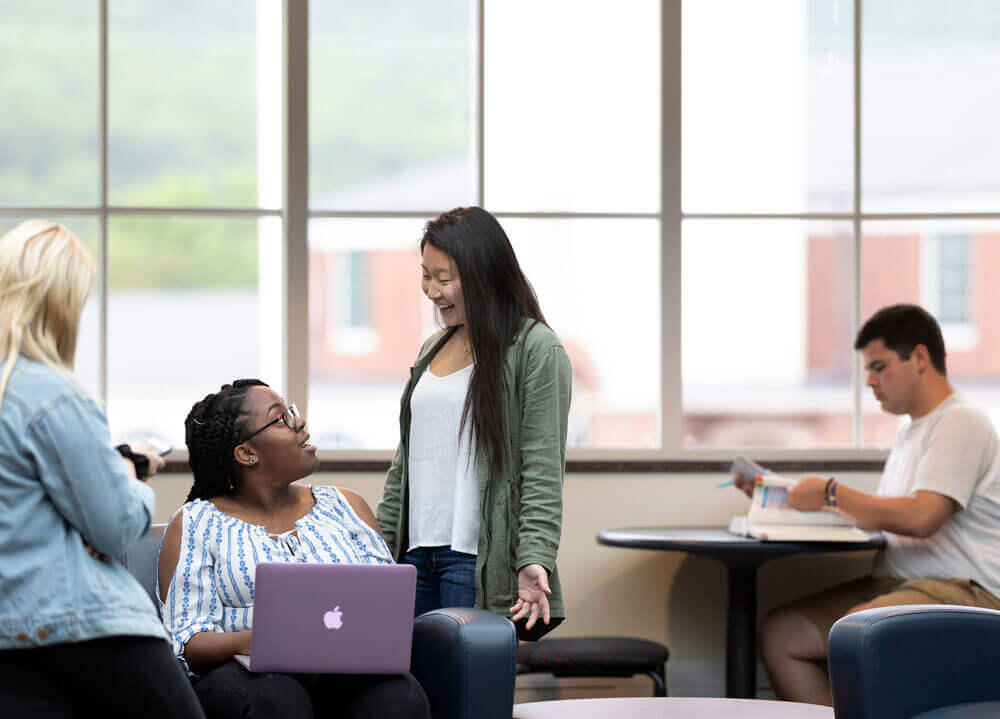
column 78, row 634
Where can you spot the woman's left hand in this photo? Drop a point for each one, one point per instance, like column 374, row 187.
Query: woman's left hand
column 532, row 595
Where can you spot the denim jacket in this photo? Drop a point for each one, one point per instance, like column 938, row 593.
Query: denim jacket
column 61, row 483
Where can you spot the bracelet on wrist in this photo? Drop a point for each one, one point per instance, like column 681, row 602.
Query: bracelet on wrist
column 831, row 492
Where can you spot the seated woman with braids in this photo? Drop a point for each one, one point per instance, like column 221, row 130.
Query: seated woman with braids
column 247, row 448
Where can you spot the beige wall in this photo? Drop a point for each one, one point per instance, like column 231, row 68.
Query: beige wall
column 669, row 597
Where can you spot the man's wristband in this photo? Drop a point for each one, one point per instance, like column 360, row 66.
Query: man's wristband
column 831, row 492
column 139, row 461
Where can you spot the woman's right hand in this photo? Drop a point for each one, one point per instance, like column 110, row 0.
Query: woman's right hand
column 244, row 641
column 207, row 650
column 156, row 462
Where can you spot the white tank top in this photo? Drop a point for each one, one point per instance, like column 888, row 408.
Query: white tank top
column 444, row 483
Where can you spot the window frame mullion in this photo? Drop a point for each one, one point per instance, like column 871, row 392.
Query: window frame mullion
column 295, row 201
column 856, row 369
column 671, row 380
column 102, row 219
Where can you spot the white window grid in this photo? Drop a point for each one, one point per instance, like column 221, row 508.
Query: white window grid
column 295, row 214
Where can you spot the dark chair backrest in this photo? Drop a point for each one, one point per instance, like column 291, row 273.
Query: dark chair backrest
column 140, row 560
column 896, row 662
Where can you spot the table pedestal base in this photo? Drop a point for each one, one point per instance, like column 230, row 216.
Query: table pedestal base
column 741, row 634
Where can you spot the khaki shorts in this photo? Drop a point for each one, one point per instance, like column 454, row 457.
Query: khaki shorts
column 826, row 607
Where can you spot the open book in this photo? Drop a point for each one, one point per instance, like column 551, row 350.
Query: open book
column 771, row 518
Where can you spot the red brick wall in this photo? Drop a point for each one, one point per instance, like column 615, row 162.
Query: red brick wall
column 395, row 314
column 890, row 273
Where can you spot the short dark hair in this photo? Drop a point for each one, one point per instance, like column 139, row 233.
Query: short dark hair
column 903, row 327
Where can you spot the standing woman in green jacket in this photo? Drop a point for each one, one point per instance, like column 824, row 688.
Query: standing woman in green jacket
column 473, row 498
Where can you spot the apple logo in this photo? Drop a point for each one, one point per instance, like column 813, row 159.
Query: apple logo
column 332, row 619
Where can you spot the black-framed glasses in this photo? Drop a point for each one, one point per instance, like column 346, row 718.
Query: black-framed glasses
column 290, row 417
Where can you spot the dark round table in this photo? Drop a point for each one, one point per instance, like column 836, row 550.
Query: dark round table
column 742, row 556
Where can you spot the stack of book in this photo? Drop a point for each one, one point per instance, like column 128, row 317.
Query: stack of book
column 772, row 518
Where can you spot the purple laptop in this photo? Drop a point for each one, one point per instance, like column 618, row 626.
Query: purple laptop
column 332, row 618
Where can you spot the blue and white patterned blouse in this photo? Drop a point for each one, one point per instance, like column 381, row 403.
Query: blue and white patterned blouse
column 212, row 586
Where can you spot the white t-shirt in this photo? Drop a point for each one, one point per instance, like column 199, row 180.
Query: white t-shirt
column 444, row 483
column 952, row 451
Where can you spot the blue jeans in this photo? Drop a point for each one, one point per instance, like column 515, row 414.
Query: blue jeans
column 445, row 578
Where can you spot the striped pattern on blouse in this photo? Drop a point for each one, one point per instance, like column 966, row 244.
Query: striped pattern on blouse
column 212, row 586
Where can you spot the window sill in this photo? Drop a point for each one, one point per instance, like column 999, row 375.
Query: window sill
column 611, row 466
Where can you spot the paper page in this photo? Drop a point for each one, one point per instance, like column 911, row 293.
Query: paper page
column 775, row 480
column 746, row 468
column 738, row 526
column 770, row 506
column 799, row 533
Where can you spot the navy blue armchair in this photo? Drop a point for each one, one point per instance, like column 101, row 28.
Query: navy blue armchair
column 465, row 659
column 916, row 661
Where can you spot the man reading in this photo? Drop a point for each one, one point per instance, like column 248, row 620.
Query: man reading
column 938, row 503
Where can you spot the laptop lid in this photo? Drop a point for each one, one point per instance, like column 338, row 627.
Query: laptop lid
column 333, row 618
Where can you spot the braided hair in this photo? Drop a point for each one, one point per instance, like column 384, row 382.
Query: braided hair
column 212, row 430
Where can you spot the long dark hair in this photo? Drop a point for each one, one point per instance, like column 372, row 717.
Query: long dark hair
column 497, row 297
column 213, row 428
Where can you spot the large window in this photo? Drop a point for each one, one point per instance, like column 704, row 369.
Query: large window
column 837, row 159
column 144, row 127
column 707, row 195
column 416, row 108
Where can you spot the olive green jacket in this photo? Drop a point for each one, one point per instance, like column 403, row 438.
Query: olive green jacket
column 520, row 511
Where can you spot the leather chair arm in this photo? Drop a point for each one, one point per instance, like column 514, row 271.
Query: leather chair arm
column 900, row 661
column 465, row 659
